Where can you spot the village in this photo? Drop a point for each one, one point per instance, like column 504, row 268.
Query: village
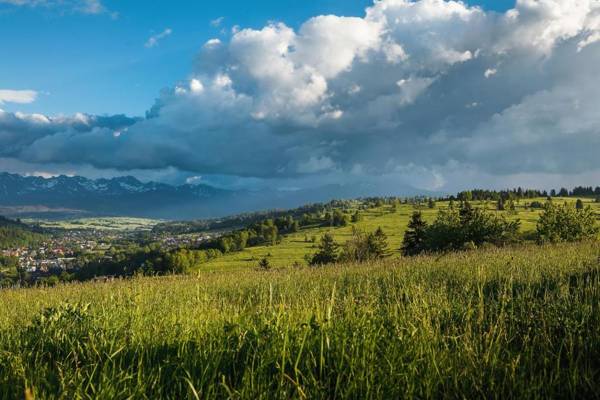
column 68, row 250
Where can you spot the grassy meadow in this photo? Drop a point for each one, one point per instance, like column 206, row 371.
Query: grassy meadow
column 494, row 323
column 294, row 247
column 98, row 223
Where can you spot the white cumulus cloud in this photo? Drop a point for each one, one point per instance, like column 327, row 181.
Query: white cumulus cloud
column 401, row 94
column 17, row 96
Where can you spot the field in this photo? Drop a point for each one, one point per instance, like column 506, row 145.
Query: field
column 294, row 247
column 99, row 223
column 496, row 323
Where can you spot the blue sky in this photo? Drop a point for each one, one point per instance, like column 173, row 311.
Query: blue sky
column 97, row 63
column 432, row 94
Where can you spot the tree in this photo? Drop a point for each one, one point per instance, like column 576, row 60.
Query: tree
column 356, row 249
column 466, row 213
column 431, row 203
column 415, row 236
column 328, row 251
column 356, row 217
column 377, row 244
column 500, row 204
column 579, row 204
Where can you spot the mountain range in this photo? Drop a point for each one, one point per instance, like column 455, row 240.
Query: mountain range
column 76, row 196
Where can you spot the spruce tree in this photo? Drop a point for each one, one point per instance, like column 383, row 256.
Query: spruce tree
column 377, row 244
column 328, row 251
column 415, row 236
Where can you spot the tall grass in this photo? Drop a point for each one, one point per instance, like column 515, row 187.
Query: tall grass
column 498, row 323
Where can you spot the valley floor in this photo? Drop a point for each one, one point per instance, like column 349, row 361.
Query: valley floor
column 495, row 323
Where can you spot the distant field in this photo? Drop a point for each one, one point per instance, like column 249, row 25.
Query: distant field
column 104, row 223
column 497, row 323
column 294, row 247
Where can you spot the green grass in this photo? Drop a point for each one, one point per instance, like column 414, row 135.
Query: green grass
column 104, row 223
column 293, row 247
column 495, row 323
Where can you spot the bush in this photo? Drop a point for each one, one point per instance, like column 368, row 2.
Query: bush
column 566, row 224
column 363, row 247
column 536, row 204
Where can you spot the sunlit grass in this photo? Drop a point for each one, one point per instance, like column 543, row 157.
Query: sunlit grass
column 496, row 323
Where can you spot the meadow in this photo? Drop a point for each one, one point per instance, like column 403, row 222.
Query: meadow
column 97, row 223
column 393, row 220
column 494, row 323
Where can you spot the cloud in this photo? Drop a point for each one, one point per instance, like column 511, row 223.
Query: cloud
column 18, row 96
column 154, row 39
column 490, row 72
column 217, row 22
column 403, row 94
column 80, row 6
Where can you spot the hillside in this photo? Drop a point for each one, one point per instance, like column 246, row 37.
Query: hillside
column 496, row 323
column 295, row 246
column 14, row 233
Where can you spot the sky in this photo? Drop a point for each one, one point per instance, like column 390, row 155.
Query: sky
column 432, row 94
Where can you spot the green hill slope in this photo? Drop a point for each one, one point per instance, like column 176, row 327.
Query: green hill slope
column 393, row 220
column 14, row 233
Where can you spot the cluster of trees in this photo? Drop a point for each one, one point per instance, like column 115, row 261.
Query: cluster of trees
column 582, row 191
column 520, row 193
column 270, row 231
column 496, row 195
column 16, row 233
column 455, row 229
column 146, row 260
column 361, row 247
column 247, row 219
column 469, row 227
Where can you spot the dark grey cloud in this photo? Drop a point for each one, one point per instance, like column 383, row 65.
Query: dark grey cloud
column 422, row 92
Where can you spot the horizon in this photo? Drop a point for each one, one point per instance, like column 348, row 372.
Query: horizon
column 428, row 95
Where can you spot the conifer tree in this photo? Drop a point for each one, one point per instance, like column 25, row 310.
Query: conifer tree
column 415, row 236
column 328, row 251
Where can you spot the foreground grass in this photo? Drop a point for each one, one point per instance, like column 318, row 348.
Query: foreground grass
column 508, row 323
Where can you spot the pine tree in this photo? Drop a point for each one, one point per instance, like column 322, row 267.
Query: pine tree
column 328, row 251
column 415, row 235
column 377, row 244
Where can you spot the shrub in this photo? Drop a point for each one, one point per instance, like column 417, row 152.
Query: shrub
column 362, row 247
column 566, row 224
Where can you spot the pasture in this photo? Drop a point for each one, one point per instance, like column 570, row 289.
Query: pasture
column 494, row 323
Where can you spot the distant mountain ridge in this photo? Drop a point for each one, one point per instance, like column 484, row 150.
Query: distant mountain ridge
column 76, row 196
column 117, row 196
